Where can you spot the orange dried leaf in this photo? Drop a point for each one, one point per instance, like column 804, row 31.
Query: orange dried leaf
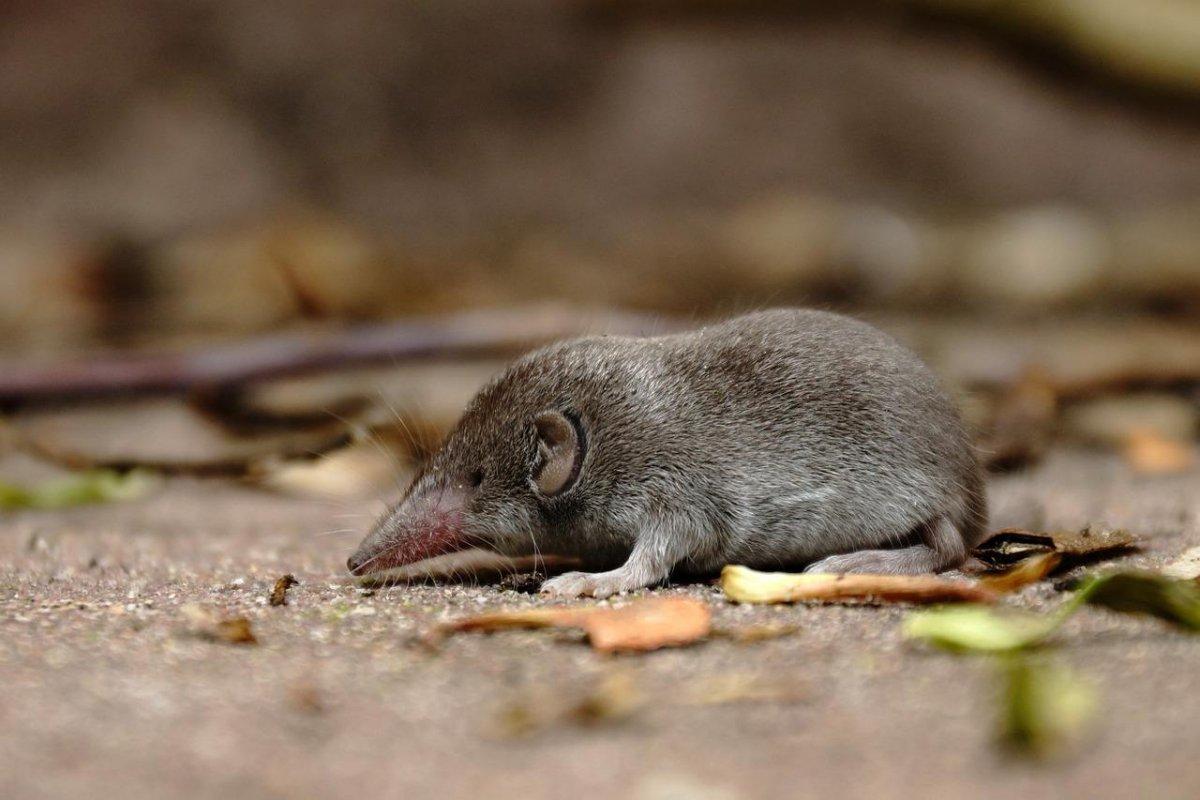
column 1031, row 570
column 648, row 625
column 642, row 625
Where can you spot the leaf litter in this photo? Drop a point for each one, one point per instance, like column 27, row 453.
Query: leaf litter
column 639, row 626
column 204, row 623
column 1045, row 706
column 612, row 699
column 1009, row 546
column 1026, row 572
column 84, row 488
column 279, row 590
column 745, row 585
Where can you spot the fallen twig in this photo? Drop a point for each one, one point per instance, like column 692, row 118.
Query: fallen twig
column 468, row 333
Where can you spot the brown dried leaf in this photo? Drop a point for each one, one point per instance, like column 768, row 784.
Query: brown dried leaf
column 742, row 688
column 205, row 624
column 613, row 699
column 641, row 625
column 1011, row 545
column 279, row 592
column 745, row 585
column 757, row 633
column 1151, row 453
column 306, row 697
column 1031, row 570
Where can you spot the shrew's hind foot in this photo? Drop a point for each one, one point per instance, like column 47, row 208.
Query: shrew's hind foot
column 905, row 561
column 942, row 548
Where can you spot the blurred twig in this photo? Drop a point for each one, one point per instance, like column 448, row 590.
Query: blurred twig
column 468, row 333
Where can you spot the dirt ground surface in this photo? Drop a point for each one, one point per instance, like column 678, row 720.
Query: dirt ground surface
column 103, row 694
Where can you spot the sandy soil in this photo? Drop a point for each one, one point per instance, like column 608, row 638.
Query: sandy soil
column 104, row 694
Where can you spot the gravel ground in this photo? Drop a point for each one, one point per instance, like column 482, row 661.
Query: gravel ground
column 103, row 693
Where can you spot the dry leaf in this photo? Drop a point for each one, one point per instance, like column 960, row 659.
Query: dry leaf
column 641, row 625
column 205, row 624
column 613, row 699
column 1186, row 567
column 1151, row 453
column 306, row 697
column 745, row 585
column 1009, row 546
column 757, row 633
column 1031, row 570
column 649, row 625
column 742, row 688
column 279, row 592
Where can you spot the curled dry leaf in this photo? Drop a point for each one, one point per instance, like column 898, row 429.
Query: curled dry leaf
column 641, row 625
column 1009, row 546
column 1151, row 453
column 204, row 623
column 1031, row 570
column 279, row 591
column 745, row 585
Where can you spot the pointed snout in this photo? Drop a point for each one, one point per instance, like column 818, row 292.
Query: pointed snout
column 357, row 563
column 423, row 526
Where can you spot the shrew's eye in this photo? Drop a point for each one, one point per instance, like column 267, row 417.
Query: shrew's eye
column 476, row 479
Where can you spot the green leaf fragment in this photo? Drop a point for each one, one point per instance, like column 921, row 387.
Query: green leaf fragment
column 93, row 486
column 978, row 629
column 1045, row 706
column 1171, row 599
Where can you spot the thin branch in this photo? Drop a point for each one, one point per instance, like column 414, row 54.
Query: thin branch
column 472, row 333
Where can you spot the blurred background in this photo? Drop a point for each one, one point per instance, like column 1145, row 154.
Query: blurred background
column 1012, row 188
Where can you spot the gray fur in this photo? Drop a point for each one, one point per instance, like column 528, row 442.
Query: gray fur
column 777, row 439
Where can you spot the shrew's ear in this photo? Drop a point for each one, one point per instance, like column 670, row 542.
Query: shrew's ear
column 560, row 453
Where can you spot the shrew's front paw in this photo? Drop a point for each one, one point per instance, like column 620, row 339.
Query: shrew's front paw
column 595, row 584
